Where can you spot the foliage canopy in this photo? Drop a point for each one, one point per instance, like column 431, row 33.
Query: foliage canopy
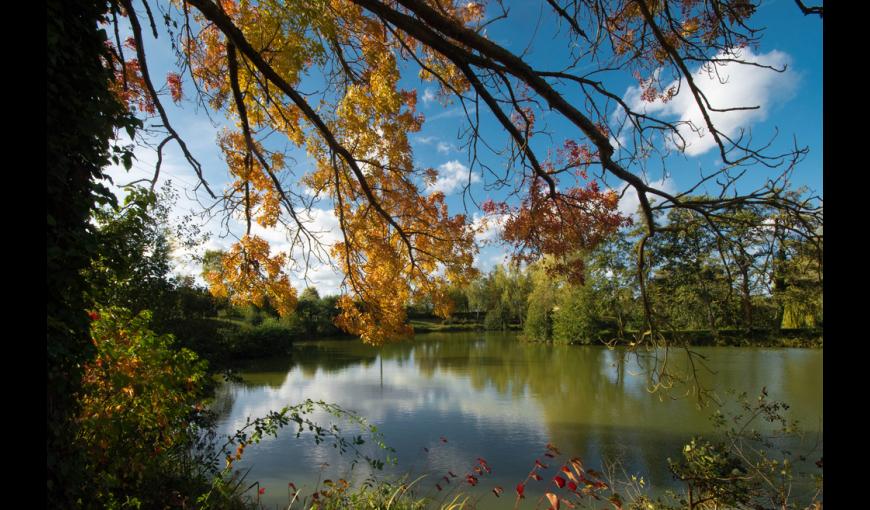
column 253, row 60
column 256, row 62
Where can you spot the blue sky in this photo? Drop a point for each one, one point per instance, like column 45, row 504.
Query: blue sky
column 789, row 102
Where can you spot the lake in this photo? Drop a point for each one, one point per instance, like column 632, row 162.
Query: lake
column 492, row 396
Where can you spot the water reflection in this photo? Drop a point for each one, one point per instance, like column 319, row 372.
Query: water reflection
column 495, row 397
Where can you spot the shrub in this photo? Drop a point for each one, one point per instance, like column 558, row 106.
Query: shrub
column 577, row 318
column 539, row 320
column 495, row 319
column 270, row 337
column 140, row 396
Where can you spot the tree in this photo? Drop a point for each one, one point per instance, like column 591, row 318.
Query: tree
column 690, row 283
column 611, row 272
column 798, row 283
column 249, row 61
column 140, row 396
column 131, row 268
column 81, row 116
column 543, row 301
column 577, row 315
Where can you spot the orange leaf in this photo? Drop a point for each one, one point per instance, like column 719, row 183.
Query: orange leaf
column 554, row 501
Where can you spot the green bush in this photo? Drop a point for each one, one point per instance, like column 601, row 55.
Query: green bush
column 271, row 337
column 140, row 403
column 577, row 318
column 539, row 321
column 495, row 319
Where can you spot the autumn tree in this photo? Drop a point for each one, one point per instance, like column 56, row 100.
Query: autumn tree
column 250, row 61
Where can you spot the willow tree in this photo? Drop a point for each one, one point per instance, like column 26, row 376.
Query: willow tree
column 251, row 60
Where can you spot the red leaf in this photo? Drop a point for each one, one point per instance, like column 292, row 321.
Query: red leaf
column 560, row 482
column 616, row 500
column 572, row 486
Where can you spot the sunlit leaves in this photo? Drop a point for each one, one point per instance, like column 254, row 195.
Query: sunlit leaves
column 249, row 274
column 575, row 220
column 397, row 243
column 173, row 80
column 138, row 393
column 129, row 85
column 262, row 199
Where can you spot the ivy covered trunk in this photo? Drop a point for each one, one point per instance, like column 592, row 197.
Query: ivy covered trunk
column 81, row 115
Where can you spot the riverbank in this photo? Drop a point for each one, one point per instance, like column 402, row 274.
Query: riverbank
column 226, row 342
column 808, row 338
column 794, row 337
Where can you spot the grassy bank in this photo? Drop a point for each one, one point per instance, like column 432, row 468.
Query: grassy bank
column 797, row 337
column 225, row 342
column 431, row 325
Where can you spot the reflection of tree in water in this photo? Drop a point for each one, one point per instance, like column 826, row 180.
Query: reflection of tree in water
column 595, row 402
column 328, row 357
column 224, row 398
column 269, row 372
column 587, row 411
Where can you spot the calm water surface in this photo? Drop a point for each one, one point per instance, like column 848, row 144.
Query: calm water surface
column 494, row 397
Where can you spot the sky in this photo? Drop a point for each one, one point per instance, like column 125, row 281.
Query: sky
column 790, row 111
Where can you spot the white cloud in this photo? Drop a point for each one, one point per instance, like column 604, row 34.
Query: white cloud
column 322, row 276
column 487, row 229
column 491, row 256
column 443, row 148
column 451, row 176
column 323, row 225
column 428, row 96
column 729, row 85
column 427, row 140
column 629, row 203
column 451, row 113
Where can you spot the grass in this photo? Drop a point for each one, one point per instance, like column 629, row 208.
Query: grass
column 735, row 337
column 434, row 324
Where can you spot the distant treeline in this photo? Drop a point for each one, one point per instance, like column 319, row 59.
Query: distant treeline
column 757, row 282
